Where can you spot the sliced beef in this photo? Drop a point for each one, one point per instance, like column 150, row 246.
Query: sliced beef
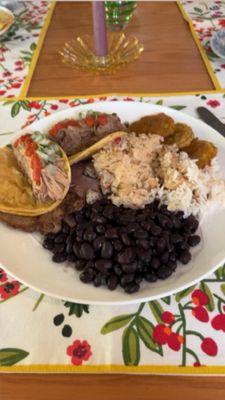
column 76, row 135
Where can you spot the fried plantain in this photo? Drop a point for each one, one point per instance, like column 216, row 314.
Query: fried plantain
column 202, row 151
column 182, row 136
column 157, row 124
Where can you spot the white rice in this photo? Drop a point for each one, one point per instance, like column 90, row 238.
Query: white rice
column 140, row 168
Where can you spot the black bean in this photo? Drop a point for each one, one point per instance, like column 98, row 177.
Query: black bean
column 90, row 271
column 100, row 229
column 112, row 282
column 79, row 265
column 69, row 246
column 89, row 235
column 144, row 255
column 173, row 256
column 65, row 228
column 98, row 242
column 111, row 233
column 194, row 240
column 51, row 236
column 117, row 245
column 58, row 319
column 60, row 238
column 130, row 268
column 144, row 243
column 146, row 225
column 117, row 269
column 172, row 265
column 132, row 288
column 141, row 234
column 164, row 257
column 48, row 244
column 103, row 265
column 176, row 238
column 71, row 257
column 98, row 280
column 185, row 256
column 161, row 244
column 124, row 280
column 59, row 248
column 125, row 239
column 138, row 279
column 87, row 251
column 59, row 257
column 184, row 246
column 126, row 256
column 107, row 250
column 150, row 276
column 76, row 249
column 99, row 219
column 163, row 272
column 180, row 215
column 132, row 227
column 156, row 230
column 155, row 262
column 176, row 222
column 85, row 278
column 79, row 217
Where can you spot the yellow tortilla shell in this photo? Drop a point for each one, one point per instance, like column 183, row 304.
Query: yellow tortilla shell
column 15, row 191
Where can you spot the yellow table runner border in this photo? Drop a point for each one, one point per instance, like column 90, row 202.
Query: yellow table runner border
column 200, row 47
column 140, row 369
column 35, row 57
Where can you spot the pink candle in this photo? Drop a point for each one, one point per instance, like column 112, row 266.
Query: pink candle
column 99, row 27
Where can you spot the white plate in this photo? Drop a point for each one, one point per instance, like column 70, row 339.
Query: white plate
column 24, row 258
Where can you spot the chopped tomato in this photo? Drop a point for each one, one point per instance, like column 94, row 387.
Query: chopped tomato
column 117, row 140
column 36, row 167
column 30, row 148
column 89, row 120
column 102, row 119
column 62, row 125
column 22, row 139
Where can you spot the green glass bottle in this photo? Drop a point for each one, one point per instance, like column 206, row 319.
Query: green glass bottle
column 119, row 13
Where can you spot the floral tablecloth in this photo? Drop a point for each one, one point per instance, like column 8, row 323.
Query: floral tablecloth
column 20, row 46
column 184, row 333
column 208, row 17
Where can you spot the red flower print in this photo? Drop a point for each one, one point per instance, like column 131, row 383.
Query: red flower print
column 175, row 341
column 15, row 85
column 161, row 333
column 197, row 364
column 79, row 352
column 73, row 104
column 128, row 99
column 222, row 66
column 34, row 104
column 218, row 322
column 199, row 298
column 200, row 313
column 167, row 317
column 209, row 347
column 54, row 107
column 6, row 73
column 19, row 63
column 91, row 100
column 2, row 92
column 222, row 23
column 63, row 101
column 103, row 98
column 9, row 289
column 213, row 103
column 3, row 276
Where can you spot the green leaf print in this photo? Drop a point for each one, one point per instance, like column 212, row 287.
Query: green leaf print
column 11, row 356
column 33, row 46
column 76, row 309
column 156, row 309
column 131, row 346
column 204, row 287
column 184, row 293
column 198, row 10
column 166, row 300
column 15, row 109
column 159, row 102
column 179, row 108
column 116, row 323
column 145, row 332
column 25, row 105
column 222, row 287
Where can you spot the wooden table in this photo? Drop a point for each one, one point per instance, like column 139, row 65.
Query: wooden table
column 170, row 63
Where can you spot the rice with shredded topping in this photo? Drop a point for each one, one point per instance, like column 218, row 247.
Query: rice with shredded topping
column 139, row 169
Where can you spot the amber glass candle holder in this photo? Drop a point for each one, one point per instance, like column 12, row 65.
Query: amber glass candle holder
column 79, row 53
